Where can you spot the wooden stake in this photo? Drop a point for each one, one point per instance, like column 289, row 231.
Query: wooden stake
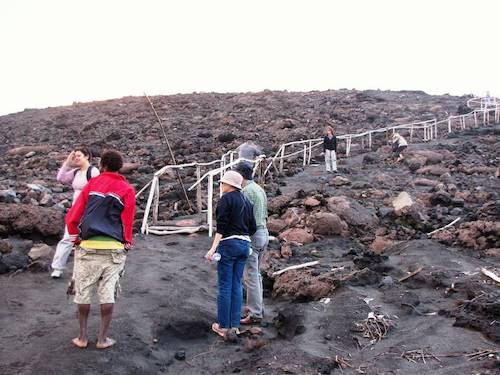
column 170, row 150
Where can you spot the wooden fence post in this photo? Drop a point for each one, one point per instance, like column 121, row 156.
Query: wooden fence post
column 148, row 205
column 156, row 204
column 199, row 204
column 209, row 204
column 281, row 159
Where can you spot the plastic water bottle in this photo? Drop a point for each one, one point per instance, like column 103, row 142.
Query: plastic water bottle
column 215, row 258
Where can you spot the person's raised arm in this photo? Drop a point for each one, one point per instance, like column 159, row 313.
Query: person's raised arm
column 66, row 174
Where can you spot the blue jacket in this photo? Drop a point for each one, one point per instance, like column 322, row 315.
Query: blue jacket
column 234, row 214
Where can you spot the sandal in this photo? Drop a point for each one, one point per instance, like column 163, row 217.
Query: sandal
column 218, row 330
column 250, row 320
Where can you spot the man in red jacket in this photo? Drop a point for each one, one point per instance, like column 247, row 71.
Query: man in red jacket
column 100, row 223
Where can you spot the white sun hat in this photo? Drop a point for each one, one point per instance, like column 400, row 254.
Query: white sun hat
column 232, row 178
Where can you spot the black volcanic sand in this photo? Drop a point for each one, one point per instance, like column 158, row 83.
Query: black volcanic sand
column 169, row 297
column 168, row 304
column 169, row 291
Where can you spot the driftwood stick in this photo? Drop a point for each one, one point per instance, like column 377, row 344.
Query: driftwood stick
column 411, row 274
column 442, row 228
column 490, row 274
column 296, row 267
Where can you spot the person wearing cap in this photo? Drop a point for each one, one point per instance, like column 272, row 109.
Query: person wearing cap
column 235, row 225
column 252, row 277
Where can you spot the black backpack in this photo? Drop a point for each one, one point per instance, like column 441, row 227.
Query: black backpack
column 89, row 172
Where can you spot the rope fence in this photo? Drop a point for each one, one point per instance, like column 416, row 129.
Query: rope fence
column 427, row 130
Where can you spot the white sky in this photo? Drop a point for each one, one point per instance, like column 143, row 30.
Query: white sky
column 56, row 52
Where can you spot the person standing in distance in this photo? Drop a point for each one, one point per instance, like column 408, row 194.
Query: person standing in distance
column 330, row 150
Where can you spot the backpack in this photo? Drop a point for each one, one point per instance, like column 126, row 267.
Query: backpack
column 89, row 173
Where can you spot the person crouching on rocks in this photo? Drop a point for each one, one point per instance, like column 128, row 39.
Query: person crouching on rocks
column 330, row 150
column 235, row 225
column 399, row 144
column 100, row 222
column 75, row 171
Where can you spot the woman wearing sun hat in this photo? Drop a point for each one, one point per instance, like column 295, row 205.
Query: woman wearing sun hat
column 235, row 225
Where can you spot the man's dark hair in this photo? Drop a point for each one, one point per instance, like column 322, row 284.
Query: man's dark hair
column 85, row 151
column 245, row 170
column 111, row 160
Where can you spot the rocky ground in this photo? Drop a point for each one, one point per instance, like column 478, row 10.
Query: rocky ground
column 385, row 297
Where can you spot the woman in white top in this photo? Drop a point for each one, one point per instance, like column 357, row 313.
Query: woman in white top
column 75, row 171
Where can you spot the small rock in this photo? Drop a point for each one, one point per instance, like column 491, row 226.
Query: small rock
column 297, row 235
column 402, row 201
column 387, row 281
column 8, row 196
column 30, row 154
column 340, row 181
column 180, row 355
column 40, row 251
column 46, row 200
column 5, row 247
column 275, row 226
column 327, row 223
column 311, row 202
column 286, row 251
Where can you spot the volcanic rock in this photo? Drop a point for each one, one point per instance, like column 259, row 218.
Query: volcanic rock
column 8, row 196
column 381, row 243
column 311, row 202
column 301, row 286
column 41, row 251
column 5, row 247
column 402, row 203
column 327, row 223
column 435, row 170
column 480, row 234
column 275, row 226
column 297, row 235
column 352, row 212
column 28, row 219
column 340, row 181
column 278, row 204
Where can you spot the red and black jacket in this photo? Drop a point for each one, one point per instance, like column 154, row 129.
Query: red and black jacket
column 106, row 207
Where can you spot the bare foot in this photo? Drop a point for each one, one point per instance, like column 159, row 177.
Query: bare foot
column 82, row 344
column 106, row 344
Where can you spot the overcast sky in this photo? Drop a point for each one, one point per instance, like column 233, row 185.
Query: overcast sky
column 58, row 52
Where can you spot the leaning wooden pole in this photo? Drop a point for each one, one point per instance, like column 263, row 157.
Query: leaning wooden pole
column 170, row 150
